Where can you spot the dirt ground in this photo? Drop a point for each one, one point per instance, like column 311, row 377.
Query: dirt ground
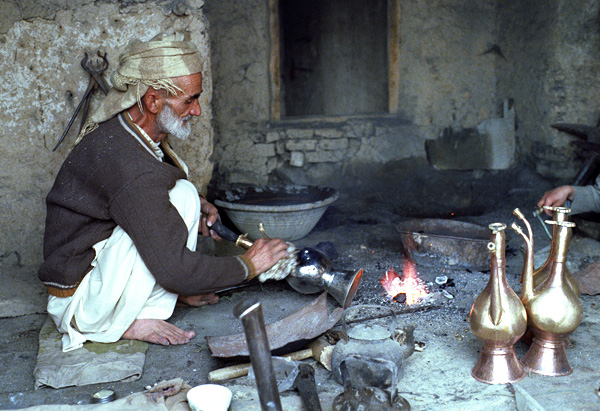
column 362, row 227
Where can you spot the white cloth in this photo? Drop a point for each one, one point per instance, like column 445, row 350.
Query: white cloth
column 120, row 289
column 282, row 268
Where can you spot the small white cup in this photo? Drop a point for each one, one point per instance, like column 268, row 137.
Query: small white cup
column 209, row 397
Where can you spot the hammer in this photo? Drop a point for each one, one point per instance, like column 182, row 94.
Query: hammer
column 320, row 350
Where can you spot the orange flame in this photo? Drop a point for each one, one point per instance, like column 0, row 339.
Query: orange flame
column 411, row 285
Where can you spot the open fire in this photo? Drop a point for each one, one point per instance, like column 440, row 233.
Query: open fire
column 409, row 289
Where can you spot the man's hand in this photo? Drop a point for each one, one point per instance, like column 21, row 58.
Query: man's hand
column 209, row 214
column 282, row 268
column 265, row 253
column 557, row 197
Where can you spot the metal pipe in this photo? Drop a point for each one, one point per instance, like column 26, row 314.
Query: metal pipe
column 251, row 314
column 536, row 214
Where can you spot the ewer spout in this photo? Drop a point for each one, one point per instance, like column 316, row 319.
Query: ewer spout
column 527, row 272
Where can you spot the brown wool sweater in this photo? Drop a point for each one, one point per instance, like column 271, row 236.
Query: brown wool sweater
column 111, row 179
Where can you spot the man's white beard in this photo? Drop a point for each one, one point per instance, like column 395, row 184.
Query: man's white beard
column 169, row 122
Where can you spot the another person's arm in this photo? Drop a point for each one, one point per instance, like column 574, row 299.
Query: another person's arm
column 556, row 197
column 583, row 198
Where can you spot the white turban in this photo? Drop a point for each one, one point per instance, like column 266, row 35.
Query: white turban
column 143, row 65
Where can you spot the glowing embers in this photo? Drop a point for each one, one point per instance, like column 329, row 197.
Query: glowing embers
column 409, row 289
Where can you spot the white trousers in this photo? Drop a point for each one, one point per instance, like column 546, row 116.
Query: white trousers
column 120, row 289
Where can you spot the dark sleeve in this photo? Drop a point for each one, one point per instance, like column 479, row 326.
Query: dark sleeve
column 160, row 235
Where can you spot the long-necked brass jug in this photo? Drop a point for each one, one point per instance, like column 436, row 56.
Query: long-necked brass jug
column 498, row 318
column 542, row 273
column 553, row 308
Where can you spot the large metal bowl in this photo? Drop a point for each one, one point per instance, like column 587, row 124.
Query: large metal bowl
column 287, row 212
column 439, row 242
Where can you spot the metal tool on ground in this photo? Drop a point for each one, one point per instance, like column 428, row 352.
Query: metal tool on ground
column 305, row 385
column 95, row 66
column 250, row 313
column 319, row 350
column 296, row 376
column 314, row 271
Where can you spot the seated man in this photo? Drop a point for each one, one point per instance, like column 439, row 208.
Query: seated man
column 123, row 220
column 581, row 199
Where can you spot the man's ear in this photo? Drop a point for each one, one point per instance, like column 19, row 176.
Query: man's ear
column 153, row 101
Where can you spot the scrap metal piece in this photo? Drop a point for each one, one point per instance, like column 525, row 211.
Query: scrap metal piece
column 587, row 145
column 305, row 324
column 589, row 133
column 359, row 371
column 103, row 397
column 369, row 399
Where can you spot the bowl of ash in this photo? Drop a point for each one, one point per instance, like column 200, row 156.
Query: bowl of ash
column 288, row 212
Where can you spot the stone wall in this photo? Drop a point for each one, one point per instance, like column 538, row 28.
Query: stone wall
column 328, row 152
column 42, row 82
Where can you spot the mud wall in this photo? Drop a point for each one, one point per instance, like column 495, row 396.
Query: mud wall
column 42, row 82
column 550, row 70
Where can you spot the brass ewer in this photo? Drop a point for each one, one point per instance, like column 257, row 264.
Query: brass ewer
column 540, row 274
column 553, row 308
column 498, row 318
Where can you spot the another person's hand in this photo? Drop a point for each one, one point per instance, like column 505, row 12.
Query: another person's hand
column 209, row 214
column 556, row 197
column 265, row 253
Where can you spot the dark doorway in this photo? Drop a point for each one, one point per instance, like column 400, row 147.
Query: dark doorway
column 334, row 57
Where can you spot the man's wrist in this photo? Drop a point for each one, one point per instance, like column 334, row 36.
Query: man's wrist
column 251, row 269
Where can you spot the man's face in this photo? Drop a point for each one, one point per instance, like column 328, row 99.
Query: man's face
column 177, row 110
column 169, row 122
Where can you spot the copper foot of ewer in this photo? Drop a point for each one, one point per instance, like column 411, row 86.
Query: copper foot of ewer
column 498, row 365
column 548, row 356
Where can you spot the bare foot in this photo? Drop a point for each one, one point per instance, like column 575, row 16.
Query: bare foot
column 199, row 300
column 157, row 332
